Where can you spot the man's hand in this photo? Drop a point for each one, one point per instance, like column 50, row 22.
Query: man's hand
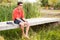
column 26, row 23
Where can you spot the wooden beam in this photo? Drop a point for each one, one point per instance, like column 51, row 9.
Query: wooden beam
column 32, row 22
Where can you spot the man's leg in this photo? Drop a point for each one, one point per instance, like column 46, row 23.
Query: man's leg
column 22, row 27
column 27, row 29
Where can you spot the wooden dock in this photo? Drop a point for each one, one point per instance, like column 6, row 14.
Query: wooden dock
column 33, row 21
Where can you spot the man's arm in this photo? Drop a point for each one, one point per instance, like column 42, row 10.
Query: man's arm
column 21, row 19
column 24, row 19
column 18, row 19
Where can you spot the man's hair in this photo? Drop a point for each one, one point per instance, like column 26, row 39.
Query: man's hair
column 19, row 3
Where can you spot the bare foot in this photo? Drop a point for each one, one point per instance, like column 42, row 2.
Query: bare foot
column 27, row 36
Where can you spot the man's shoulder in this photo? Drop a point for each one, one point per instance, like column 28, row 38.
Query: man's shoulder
column 15, row 9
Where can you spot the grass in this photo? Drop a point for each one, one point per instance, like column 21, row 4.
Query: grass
column 40, row 32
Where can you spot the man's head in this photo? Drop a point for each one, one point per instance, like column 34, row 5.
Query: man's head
column 20, row 4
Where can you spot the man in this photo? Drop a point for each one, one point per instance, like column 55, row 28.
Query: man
column 18, row 17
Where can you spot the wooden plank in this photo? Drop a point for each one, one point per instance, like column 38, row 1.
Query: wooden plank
column 32, row 22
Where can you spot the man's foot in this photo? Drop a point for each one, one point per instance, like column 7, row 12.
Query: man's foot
column 23, row 35
column 27, row 37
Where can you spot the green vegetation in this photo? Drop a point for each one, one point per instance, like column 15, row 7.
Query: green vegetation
column 5, row 13
column 31, row 10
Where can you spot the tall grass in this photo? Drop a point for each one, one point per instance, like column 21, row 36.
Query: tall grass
column 31, row 10
column 5, row 13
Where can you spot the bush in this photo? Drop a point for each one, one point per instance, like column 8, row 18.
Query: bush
column 57, row 6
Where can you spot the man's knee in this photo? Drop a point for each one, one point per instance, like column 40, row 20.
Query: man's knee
column 21, row 24
column 25, row 23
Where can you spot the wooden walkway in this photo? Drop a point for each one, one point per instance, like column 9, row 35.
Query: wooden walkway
column 33, row 21
column 50, row 13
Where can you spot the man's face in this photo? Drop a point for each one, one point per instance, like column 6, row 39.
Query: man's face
column 20, row 6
